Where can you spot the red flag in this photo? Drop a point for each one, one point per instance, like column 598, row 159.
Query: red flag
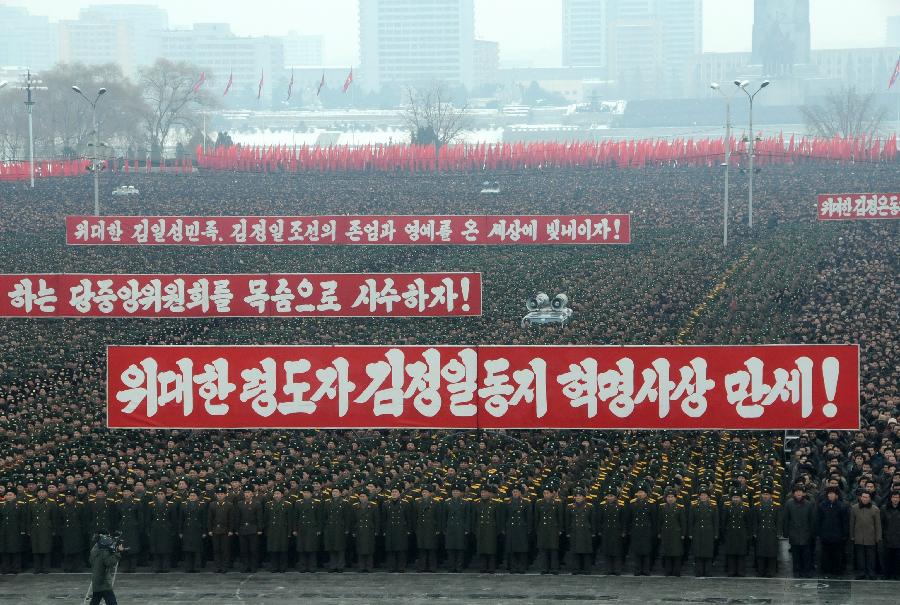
column 895, row 75
column 321, row 84
column 348, row 81
column 200, row 81
column 228, row 86
column 261, row 78
column 290, row 85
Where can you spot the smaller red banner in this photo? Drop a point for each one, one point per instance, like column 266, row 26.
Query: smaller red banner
column 858, row 206
column 242, row 295
column 339, row 230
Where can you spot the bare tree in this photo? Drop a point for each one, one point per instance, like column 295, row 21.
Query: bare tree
column 432, row 118
column 845, row 113
column 13, row 126
column 167, row 89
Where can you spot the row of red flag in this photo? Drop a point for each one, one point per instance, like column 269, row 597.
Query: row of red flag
column 262, row 78
column 486, row 156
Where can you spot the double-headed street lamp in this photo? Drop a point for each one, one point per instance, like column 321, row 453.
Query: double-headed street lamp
column 742, row 84
column 95, row 165
column 727, row 163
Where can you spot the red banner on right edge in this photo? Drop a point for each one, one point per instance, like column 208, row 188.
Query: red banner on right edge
column 858, row 206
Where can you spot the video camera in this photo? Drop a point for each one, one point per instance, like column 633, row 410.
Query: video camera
column 110, row 542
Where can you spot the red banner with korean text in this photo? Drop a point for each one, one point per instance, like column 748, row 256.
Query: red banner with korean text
column 858, row 206
column 492, row 387
column 347, row 230
column 242, row 295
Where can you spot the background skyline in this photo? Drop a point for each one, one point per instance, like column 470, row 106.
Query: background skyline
column 833, row 24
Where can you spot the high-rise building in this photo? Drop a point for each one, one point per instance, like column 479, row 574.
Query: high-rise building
column 215, row 49
column 487, row 62
column 416, row 42
column 302, row 50
column 584, row 33
column 780, row 35
column 652, row 44
column 27, row 40
column 127, row 34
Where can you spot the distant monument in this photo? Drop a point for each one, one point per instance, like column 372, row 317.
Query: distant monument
column 780, row 35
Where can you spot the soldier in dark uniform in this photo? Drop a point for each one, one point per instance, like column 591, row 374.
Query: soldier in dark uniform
column 249, row 522
column 766, row 526
column 641, row 530
column 71, row 526
column 580, row 532
column 672, row 530
column 428, row 529
column 366, row 525
column 220, row 527
column 609, row 523
column 518, row 530
column 704, row 532
column 40, row 528
column 799, row 522
column 278, row 516
column 337, row 520
column 101, row 513
column 162, row 520
column 396, row 524
column 736, row 527
column 130, row 522
column 488, row 519
column 455, row 524
column 548, row 518
column 13, row 527
column 307, row 529
column 192, row 521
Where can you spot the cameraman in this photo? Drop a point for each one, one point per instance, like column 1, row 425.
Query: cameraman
column 104, row 558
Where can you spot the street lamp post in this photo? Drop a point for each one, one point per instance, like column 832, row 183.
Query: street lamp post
column 30, row 84
column 95, row 165
column 727, row 164
column 743, row 86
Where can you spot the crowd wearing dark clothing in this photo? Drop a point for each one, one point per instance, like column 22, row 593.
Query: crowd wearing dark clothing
column 539, row 500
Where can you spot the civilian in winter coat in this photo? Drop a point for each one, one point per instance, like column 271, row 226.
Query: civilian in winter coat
column 800, row 530
column 890, row 526
column 865, row 534
column 832, row 528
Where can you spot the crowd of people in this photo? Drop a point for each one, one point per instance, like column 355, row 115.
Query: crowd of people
column 583, row 501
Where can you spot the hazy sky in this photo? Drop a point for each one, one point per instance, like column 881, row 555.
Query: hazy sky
column 527, row 30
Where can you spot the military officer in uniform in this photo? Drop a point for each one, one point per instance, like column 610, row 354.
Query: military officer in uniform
column 337, row 520
column 580, row 532
column 766, row 526
column 488, row 527
column 366, row 525
column 610, row 526
column 307, row 529
column 455, row 524
column 101, row 513
column 736, row 528
column 192, row 521
column 130, row 521
column 672, row 530
column 162, row 520
column 40, row 528
column 428, row 529
column 71, row 526
column 518, row 529
column 396, row 524
column 704, row 532
column 278, row 530
column 641, row 530
column 548, row 517
column 13, row 527
column 220, row 527
column 249, row 522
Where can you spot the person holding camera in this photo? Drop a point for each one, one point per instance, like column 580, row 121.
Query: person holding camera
column 104, row 559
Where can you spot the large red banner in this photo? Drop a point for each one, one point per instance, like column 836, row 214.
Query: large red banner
column 347, row 230
column 647, row 387
column 242, row 295
column 855, row 206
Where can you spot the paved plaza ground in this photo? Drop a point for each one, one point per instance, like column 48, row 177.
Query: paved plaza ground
column 440, row 588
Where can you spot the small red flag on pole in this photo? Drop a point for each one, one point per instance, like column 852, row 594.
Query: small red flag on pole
column 895, row 75
column 261, row 79
column 200, row 82
column 290, row 85
column 321, row 84
column 228, row 85
column 348, row 81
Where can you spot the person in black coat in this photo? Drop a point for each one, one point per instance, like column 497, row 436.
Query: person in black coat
column 800, row 529
column 890, row 527
column 833, row 530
